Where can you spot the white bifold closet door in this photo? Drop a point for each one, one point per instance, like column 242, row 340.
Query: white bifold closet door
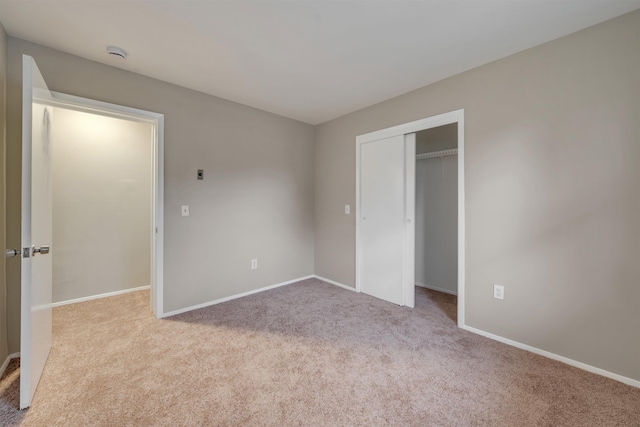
column 386, row 230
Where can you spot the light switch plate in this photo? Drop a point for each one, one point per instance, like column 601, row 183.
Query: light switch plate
column 347, row 209
column 185, row 210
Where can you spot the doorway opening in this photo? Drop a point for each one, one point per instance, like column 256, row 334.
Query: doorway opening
column 386, row 209
column 107, row 201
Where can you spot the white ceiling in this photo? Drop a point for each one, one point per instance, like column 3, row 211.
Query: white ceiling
column 308, row 60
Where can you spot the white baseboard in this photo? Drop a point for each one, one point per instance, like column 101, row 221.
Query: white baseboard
column 435, row 288
column 324, row 279
column 580, row 365
column 6, row 362
column 4, row 366
column 232, row 297
column 92, row 297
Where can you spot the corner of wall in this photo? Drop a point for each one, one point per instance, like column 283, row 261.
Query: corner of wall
column 4, row 351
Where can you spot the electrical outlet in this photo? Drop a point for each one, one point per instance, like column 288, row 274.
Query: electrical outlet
column 254, row 264
column 498, row 292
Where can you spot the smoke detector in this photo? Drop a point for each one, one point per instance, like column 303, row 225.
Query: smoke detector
column 117, row 52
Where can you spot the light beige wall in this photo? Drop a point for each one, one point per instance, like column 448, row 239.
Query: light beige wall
column 3, row 289
column 256, row 199
column 101, row 204
column 552, row 192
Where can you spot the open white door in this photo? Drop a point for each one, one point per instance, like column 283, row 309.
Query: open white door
column 385, row 218
column 36, row 296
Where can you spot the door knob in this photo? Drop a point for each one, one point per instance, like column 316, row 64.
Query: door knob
column 42, row 250
column 11, row 252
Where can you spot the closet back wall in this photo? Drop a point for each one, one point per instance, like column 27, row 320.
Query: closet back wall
column 101, row 204
column 437, row 224
column 437, row 211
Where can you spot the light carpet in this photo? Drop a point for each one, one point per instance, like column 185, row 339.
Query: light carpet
column 307, row 354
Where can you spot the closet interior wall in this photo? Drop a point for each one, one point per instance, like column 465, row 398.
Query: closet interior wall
column 437, row 210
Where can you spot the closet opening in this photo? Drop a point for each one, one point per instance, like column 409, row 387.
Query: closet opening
column 386, row 261
column 436, row 216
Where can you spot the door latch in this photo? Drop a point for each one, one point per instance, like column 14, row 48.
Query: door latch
column 43, row 250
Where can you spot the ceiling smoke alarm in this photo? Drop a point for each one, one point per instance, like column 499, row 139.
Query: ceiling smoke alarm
column 117, row 52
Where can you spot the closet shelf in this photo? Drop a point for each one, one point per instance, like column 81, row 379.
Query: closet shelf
column 434, row 154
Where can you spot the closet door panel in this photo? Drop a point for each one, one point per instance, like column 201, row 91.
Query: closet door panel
column 382, row 218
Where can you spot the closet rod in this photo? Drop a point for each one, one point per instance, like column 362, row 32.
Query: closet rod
column 434, row 154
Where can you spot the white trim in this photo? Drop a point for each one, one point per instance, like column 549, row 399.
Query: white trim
column 461, row 221
column 4, row 366
column 105, row 295
column 436, row 154
column 157, row 229
column 358, row 210
column 435, row 288
column 156, row 120
column 236, row 296
column 566, row 360
column 415, row 126
column 92, row 106
column 409, row 258
column 333, row 282
column 6, row 362
column 456, row 116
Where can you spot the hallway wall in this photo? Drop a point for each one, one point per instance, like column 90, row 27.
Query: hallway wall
column 101, row 204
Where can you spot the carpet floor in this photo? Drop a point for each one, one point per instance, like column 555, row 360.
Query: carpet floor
column 307, row 354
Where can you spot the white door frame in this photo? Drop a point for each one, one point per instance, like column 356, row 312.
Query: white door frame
column 156, row 120
column 404, row 129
